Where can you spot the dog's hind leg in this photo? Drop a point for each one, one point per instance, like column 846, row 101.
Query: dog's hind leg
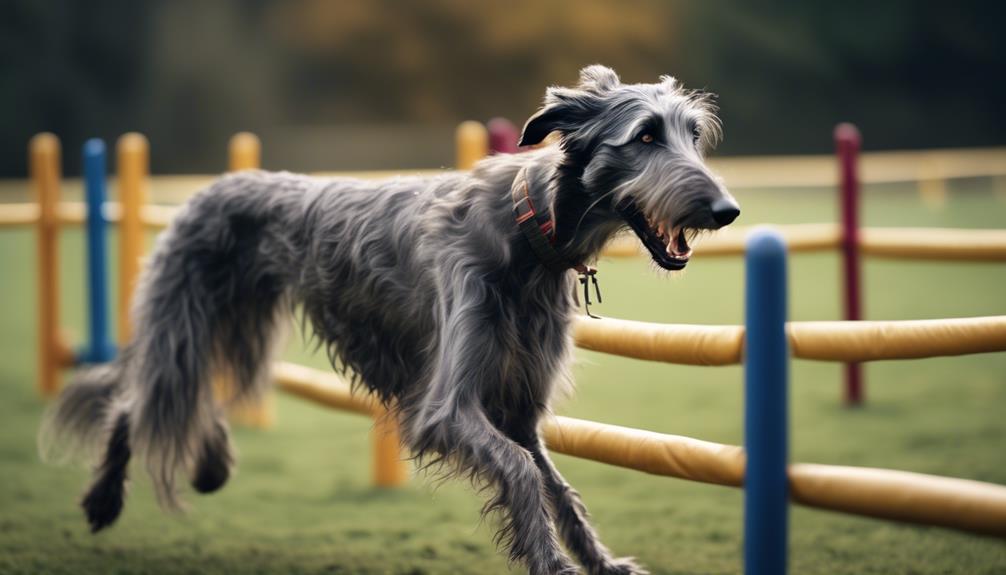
column 104, row 499
column 215, row 460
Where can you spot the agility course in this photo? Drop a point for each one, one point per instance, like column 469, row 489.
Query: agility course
column 964, row 505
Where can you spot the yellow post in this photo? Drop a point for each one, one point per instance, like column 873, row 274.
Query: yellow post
column 471, row 140
column 245, row 153
column 389, row 468
column 133, row 168
column 44, row 165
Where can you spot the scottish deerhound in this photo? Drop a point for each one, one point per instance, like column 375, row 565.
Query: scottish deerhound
column 450, row 297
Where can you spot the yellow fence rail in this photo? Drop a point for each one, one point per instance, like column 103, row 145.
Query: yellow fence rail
column 899, row 243
column 881, row 493
column 902, row 496
column 818, row 340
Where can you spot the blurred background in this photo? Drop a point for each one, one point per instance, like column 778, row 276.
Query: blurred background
column 381, row 84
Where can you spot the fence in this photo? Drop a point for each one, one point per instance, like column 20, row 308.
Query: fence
column 764, row 345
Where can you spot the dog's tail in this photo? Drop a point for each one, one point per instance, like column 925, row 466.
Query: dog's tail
column 207, row 302
column 76, row 422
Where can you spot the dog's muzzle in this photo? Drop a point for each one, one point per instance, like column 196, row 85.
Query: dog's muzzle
column 668, row 243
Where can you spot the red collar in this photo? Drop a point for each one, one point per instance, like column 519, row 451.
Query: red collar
column 538, row 229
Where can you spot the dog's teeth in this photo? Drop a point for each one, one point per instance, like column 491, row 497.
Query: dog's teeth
column 672, row 244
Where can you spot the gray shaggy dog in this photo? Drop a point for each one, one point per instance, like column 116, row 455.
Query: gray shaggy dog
column 433, row 291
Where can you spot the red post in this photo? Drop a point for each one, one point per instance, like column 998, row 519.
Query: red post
column 847, row 145
column 503, row 136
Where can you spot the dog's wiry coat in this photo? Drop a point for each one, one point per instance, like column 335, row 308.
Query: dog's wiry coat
column 422, row 287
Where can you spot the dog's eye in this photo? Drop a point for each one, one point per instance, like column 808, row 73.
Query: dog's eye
column 646, row 138
column 696, row 135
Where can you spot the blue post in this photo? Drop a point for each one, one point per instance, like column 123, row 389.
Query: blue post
column 99, row 346
column 766, row 374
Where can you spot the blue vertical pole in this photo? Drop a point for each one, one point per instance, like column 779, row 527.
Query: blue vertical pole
column 766, row 374
column 99, row 347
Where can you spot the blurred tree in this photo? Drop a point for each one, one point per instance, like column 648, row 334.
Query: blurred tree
column 379, row 83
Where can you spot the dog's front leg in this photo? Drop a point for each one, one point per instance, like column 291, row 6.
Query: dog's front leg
column 452, row 422
column 527, row 530
column 572, row 519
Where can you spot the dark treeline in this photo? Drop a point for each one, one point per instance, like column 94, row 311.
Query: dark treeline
column 338, row 85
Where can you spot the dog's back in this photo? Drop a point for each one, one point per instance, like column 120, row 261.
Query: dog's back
column 441, row 293
column 356, row 254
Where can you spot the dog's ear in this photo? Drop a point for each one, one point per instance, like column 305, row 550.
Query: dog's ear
column 565, row 109
column 539, row 126
column 598, row 79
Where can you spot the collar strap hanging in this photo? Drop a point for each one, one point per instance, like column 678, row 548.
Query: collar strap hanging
column 538, row 228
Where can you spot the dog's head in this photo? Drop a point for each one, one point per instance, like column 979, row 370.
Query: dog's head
column 637, row 150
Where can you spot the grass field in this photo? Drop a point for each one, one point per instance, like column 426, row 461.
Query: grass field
column 301, row 502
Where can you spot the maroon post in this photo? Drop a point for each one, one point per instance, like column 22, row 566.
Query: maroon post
column 503, row 136
column 847, row 144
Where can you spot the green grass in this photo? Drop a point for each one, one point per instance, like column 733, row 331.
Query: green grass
column 302, row 503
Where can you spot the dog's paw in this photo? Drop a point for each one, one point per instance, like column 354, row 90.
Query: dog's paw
column 211, row 475
column 622, row 566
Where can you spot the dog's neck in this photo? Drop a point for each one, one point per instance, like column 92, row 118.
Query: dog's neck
column 582, row 225
column 534, row 215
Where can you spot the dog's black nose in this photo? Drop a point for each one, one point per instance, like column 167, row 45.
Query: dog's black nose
column 725, row 211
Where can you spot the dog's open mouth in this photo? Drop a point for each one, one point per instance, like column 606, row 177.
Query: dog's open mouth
column 667, row 243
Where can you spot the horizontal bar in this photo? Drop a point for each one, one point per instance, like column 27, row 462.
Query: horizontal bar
column 817, row 340
column 669, row 343
column 152, row 215
column 877, row 168
column 646, row 451
column 22, row 214
column 741, row 172
column 322, row 387
column 910, row 339
column 901, row 496
column 896, row 495
column 882, row 493
column 900, row 243
column 934, row 243
column 25, row 214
